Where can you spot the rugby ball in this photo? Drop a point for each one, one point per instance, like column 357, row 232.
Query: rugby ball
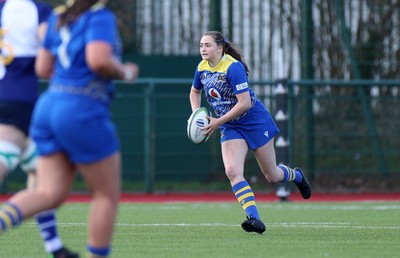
column 196, row 122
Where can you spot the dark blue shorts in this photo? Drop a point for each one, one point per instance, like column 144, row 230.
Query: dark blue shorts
column 16, row 113
column 78, row 126
column 256, row 128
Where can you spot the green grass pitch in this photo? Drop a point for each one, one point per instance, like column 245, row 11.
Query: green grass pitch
column 305, row 229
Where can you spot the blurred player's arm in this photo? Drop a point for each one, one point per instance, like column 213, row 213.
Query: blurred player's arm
column 44, row 64
column 107, row 65
column 49, row 71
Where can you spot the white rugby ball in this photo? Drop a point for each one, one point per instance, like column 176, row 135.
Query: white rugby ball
column 196, row 122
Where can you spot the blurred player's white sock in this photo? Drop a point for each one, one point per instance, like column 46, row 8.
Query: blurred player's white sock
column 47, row 224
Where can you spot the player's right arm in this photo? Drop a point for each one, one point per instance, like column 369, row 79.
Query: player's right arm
column 195, row 91
column 195, row 98
column 44, row 64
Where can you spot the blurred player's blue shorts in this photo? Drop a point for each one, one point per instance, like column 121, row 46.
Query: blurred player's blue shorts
column 256, row 128
column 78, row 126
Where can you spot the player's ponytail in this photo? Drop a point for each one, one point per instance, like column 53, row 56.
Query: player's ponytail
column 229, row 48
column 73, row 9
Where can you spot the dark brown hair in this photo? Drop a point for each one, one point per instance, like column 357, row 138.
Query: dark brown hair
column 229, row 48
column 73, row 11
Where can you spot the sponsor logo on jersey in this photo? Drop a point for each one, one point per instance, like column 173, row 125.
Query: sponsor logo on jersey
column 214, row 93
column 242, row 86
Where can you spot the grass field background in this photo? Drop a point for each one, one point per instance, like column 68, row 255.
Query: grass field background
column 202, row 229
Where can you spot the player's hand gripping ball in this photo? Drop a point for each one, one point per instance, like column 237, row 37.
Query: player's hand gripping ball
column 196, row 122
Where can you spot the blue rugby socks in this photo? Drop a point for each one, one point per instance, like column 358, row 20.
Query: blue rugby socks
column 47, row 224
column 10, row 216
column 97, row 252
column 289, row 174
column 246, row 198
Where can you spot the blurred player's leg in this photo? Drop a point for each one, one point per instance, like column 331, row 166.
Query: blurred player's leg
column 9, row 158
column 47, row 220
column 103, row 179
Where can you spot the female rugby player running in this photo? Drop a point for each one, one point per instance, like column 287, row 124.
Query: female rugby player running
column 243, row 120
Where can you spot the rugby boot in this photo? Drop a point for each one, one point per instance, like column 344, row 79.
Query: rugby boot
column 304, row 186
column 64, row 253
column 253, row 225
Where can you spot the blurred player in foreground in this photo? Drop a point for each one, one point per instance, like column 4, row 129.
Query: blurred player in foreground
column 243, row 120
column 22, row 25
column 71, row 123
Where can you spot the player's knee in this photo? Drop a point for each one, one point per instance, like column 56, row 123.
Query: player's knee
column 233, row 173
column 51, row 199
column 9, row 155
column 272, row 176
column 29, row 157
column 272, row 179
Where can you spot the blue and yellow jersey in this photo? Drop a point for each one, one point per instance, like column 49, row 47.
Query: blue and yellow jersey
column 67, row 44
column 222, row 83
column 19, row 43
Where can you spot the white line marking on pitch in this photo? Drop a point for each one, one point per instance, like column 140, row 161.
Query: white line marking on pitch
column 299, row 224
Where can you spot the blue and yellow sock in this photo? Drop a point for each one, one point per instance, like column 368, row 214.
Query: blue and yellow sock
column 246, row 198
column 289, row 174
column 98, row 251
column 47, row 224
column 10, row 216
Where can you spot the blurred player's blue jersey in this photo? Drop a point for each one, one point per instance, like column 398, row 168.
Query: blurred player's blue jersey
column 18, row 81
column 73, row 116
column 68, row 43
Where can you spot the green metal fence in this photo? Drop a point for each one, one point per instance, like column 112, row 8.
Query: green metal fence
column 346, row 127
column 336, row 128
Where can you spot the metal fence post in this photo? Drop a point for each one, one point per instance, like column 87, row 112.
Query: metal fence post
column 149, row 159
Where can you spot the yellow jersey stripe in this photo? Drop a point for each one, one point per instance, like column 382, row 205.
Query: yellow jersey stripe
column 221, row 67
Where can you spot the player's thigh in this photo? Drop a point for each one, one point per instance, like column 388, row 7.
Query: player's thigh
column 234, row 154
column 55, row 175
column 265, row 156
column 103, row 177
